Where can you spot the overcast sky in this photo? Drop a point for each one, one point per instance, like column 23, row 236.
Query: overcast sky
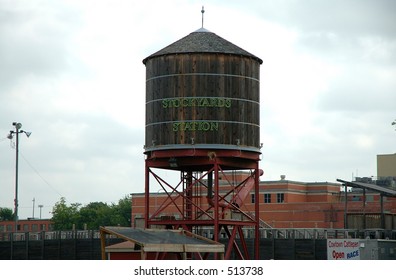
column 71, row 72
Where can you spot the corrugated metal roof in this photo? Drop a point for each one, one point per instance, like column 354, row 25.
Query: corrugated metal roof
column 202, row 41
column 145, row 236
column 157, row 240
column 385, row 191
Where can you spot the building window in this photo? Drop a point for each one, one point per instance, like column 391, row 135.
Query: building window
column 35, row 227
column 2, row 228
column 25, row 227
column 280, row 197
column 253, row 198
column 42, row 227
column 9, row 228
column 267, row 198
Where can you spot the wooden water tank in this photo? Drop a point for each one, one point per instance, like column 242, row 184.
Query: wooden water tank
column 203, row 92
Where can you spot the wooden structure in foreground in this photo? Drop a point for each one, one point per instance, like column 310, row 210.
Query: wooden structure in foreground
column 158, row 244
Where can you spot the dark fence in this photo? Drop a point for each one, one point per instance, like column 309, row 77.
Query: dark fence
column 71, row 245
column 284, row 244
column 287, row 249
column 85, row 245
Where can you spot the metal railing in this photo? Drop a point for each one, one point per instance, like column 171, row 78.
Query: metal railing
column 326, row 233
column 49, row 235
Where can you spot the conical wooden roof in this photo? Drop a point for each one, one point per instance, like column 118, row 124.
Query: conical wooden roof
column 202, row 41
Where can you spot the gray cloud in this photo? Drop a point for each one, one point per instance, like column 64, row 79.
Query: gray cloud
column 361, row 90
column 35, row 40
column 72, row 74
column 349, row 18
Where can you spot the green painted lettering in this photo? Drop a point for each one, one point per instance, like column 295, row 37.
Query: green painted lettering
column 195, row 126
column 196, row 102
column 185, row 102
column 214, row 126
column 205, row 102
column 176, row 126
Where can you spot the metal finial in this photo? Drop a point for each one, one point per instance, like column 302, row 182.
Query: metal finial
column 202, row 11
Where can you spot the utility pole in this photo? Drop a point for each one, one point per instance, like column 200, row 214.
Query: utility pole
column 34, row 200
column 40, row 206
column 18, row 130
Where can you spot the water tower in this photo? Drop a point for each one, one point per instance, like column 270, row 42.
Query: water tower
column 202, row 122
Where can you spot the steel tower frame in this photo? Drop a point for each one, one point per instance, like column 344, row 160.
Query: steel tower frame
column 195, row 165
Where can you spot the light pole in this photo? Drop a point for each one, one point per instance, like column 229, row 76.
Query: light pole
column 18, row 130
column 40, row 206
column 34, row 201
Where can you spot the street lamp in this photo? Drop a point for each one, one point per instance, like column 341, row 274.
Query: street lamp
column 40, row 206
column 18, row 130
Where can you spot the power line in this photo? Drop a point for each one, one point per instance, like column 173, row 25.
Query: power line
column 42, row 178
column 12, row 145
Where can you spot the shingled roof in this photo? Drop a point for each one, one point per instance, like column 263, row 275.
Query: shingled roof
column 202, row 41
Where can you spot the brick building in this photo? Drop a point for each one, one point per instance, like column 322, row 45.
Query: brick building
column 29, row 225
column 291, row 204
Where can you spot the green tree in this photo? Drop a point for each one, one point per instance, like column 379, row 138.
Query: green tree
column 123, row 211
column 6, row 214
column 91, row 216
column 63, row 216
column 95, row 214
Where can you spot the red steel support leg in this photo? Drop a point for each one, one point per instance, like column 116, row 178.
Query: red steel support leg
column 243, row 243
column 146, row 196
column 216, row 202
column 188, row 198
column 257, row 214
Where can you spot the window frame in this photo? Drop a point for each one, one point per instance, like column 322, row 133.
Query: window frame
column 280, row 197
column 267, row 198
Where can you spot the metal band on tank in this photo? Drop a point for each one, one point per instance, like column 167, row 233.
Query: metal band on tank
column 192, row 97
column 202, row 74
column 219, row 121
column 202, row 146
